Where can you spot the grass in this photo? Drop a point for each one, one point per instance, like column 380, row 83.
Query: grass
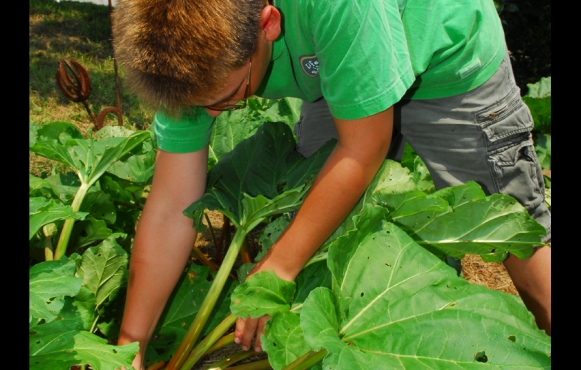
column 80, row 31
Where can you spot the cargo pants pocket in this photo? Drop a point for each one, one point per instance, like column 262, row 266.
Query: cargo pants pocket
column 513, row 162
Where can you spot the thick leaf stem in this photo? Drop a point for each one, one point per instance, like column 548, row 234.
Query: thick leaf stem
column 197, row 253
column 65, row 235
column 307, row 360
column 208, row 304
column 257, row 365
column 232, row 359
column 222, row 342
column 208, row 341
column 48, row 231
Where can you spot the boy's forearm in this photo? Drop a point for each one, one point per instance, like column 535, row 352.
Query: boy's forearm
column 337, row 189
column 163, row 244
column 159, row 255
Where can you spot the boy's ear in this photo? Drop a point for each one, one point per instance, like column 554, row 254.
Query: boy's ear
column 270, row 22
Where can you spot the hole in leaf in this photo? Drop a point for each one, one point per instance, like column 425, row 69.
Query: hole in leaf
column 114, row 350
column 274, row 344
column 209, row 277
column 362, row 294
column 512, row 338
column 481, row 356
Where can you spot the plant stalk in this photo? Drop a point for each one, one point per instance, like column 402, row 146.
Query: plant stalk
column 65, row 235
column 48, row 231
column 208, row 341
column 307, row 360
column 258, row 365
column 208, row 304
column 232, row 359
column 222, row 342
column 197, row 253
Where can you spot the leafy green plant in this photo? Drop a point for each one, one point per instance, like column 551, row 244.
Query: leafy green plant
column 259, row 182
column 67, row 298
column 263, row 178
column 90, row 159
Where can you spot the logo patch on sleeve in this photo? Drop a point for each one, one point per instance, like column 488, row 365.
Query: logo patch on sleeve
column 310, row 65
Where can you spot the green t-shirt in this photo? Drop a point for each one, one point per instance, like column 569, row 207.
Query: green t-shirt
column 364, row 56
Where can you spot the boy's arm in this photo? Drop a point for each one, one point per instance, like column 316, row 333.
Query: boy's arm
column 359, row 153
column 163, row 243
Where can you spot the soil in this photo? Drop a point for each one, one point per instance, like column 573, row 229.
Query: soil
column 474, row 270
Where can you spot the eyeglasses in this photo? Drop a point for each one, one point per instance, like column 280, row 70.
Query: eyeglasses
column 242, row 103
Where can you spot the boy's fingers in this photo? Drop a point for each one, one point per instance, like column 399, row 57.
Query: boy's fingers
column 240, row 323
column 261, row 324
column 250, row 326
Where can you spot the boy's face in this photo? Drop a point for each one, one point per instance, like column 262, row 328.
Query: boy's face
column 239, row 80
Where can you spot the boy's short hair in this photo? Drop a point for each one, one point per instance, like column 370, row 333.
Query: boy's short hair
column 177, row 53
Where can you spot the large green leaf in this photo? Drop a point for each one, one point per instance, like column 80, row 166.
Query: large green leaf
column 62, row 344
column 284, row 339
column 49, row 283
column 230, row 128
column 88, row 232
column 62, row 142
column 262, row 294
column 100, row 206
column 391, row 178
column 104, row 270
column 64, row 185
column 418, row 169
column 462, row 219
column 44, row 211
column 266, row 294
column 38, row 187
column 263, row 176
column 397, row 306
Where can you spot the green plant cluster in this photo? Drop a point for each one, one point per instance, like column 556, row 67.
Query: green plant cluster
column 345, row 290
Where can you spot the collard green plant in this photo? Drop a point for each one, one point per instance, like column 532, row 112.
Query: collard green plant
column 377, row 291
column 67, row 297
column 89, row 158
column 451, row 222
column 392, row 305
column 262, row 177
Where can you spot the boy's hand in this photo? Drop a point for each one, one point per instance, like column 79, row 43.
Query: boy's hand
column 245, row 329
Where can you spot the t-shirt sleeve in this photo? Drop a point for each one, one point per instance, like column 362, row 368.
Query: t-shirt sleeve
column 189, row 132
column 364, row 61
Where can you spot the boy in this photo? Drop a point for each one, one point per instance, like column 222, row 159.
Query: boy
column 436, row 73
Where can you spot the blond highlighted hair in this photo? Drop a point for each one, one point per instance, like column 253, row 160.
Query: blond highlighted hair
column 177, row 53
